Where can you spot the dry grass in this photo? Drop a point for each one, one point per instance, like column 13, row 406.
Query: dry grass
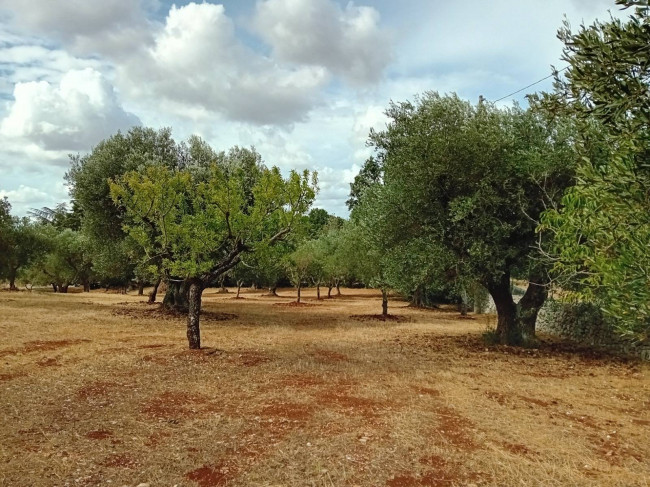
column 99, row 389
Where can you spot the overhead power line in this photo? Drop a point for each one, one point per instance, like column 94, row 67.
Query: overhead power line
column 532, row 84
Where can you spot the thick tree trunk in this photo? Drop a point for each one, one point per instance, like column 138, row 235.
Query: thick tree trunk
column 86, row 284
column 176, row 297
column 463, row 302
column 507, row 323
column 299, row 289
column 55, row 288
column 530, row 304
column 12, row 280
column 141, row 288
column 193, row 314
column 329, row 292
column 416, row 299
column 63, row 288
column 154, row 292
column 384, row 302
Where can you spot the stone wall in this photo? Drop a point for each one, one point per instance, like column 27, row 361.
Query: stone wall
column 585, row 324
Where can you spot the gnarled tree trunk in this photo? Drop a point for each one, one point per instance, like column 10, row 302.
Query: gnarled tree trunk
column 530, row 304
column 507, row 330
column 176, row 297
column 193, row 314
column 329, row 291
column 12, row 280
column 154, row 292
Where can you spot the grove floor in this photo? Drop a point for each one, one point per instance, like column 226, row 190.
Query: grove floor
column 100, row 389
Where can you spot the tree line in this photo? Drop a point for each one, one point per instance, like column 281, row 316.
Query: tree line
column 457, row 200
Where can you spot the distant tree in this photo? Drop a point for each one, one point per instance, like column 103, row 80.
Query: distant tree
column 21, row 244
column 369, row 175
column 199, row 222
column 102, row 223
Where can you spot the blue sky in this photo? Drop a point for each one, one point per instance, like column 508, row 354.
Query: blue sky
column 301, row 80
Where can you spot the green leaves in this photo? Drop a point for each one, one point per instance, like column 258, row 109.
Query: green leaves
column 602, row 232
column 198, row 220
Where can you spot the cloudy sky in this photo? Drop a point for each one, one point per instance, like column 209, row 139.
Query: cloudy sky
column 301, row 80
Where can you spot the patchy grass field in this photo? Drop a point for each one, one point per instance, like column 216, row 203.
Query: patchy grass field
column 99, row 389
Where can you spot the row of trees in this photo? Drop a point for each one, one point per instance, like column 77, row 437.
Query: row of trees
column 456, row 200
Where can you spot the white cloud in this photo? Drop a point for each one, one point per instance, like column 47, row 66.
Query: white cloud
column 85, row 27
column 348, row 42
column 197, row 61
column 74, row 114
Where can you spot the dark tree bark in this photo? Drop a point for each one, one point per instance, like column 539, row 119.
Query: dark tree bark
column 507, row 323
column 530, row 304
column 12, row 280
column 338, row 288
column 329, row 291
column 194, row 312
column 141, row 288
column 299, row 289
column 318, row 291
column 55, row 288
column 176, row 297
column 239, row 285
column 416, row 299
column 154, row 292
column 273, row 290
column 384, row 302
column 86, row 284
column 63, row 288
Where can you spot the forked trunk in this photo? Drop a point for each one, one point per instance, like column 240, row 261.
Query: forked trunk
column 193, row 314
column 154, row 292
column 384, row 302
column 530, row 304
column 507, row 324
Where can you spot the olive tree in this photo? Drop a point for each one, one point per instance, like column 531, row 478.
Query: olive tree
column 199, row 222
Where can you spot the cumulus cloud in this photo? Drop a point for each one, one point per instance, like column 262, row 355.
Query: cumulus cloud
column 197, row 60
column 106, row 27
column 348, row 42
column 73, row 115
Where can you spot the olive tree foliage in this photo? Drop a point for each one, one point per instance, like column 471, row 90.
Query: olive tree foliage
column 602, row 230
column 20, row 244
column 197, row 220
column 468, row 184
column 114, row 261
column 65, row 260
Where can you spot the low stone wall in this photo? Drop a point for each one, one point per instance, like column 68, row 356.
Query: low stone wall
column 585, row 324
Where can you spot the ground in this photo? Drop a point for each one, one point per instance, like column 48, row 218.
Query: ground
column 100, row 389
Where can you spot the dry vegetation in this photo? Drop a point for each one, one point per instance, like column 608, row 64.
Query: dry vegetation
column 99, row 389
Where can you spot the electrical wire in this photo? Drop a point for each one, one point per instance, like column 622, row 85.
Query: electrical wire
column 532, row 84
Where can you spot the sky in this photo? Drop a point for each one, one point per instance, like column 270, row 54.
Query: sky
column 303, row 81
